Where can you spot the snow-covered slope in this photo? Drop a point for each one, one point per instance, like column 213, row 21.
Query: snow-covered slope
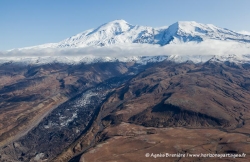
column 80, row 59
column 186, row 31
column 137, row 59
column 130, row 40
column 120, row 32
column 114, row 32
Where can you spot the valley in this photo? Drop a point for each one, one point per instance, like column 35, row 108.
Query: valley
column 164, row 117
column 89, row 109
column 61, row 105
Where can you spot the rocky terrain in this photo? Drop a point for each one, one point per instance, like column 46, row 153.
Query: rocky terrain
column 128, row 142
column 176, row 108
column 118, row 111
column 47, row 98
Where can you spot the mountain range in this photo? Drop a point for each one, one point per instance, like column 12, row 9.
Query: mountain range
column 120, row 32
column 120, row 41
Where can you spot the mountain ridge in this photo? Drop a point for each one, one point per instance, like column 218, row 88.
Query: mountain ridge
column 120, row 31
column 120, row 41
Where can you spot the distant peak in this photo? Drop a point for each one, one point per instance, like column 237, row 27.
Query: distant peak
column 119, row 31
column 191, row 27
column 119, row 21
column 186, row 23
column 115, row 26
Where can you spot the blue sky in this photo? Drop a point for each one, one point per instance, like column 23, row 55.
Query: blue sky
column 33, row 22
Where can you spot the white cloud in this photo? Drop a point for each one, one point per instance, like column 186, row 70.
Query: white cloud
column 209, row 47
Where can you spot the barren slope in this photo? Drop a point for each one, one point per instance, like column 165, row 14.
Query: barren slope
column 30, row 93
column 177, row 108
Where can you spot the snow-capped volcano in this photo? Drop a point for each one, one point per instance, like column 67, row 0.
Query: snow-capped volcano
column 115, row 32
column 121, row 32
column 120, row 41
column 106, row 34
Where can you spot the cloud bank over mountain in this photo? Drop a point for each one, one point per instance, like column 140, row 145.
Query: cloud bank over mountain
column 209, row 47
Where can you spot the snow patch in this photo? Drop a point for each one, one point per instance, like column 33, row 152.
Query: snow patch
column 39, row 157
column 244, row 32
column 66, row 122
